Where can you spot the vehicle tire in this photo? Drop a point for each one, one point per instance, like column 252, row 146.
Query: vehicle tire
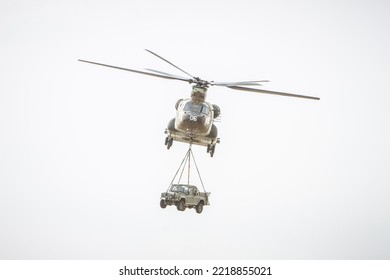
column 163, row 204
column 181, row 205
column 199, row 207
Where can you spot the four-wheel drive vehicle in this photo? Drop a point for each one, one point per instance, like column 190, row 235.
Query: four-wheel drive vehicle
column 185, row 196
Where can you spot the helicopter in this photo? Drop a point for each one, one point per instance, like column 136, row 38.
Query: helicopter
column 195, row 117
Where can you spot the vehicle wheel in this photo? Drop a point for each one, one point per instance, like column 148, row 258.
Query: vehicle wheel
column 199, row 207
column 181, row 205
column 163, row 204
column 208, row 148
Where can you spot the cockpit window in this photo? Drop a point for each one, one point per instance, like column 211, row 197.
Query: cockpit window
column 197, row 108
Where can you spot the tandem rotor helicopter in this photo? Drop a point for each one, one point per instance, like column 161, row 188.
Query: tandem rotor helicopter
column 194, row 122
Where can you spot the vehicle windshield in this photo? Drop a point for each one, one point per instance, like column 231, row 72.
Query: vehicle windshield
column 197, row 108
column 179, row 188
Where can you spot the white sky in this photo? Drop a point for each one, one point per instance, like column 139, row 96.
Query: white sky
column 82, row 155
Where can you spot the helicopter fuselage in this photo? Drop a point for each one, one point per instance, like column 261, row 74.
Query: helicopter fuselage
column 194, row 118
column 194, row 122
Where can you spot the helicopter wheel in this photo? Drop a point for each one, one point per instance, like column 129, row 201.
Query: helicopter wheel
column 208, row 148
column 212, row 150
column 168, row 142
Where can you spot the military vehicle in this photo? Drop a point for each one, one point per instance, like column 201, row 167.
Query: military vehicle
column 184, row 196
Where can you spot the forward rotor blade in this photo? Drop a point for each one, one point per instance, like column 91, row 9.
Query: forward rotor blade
column 166, row 74
column 245, row 83
column 273, row 92
column 170, row 63
column 137, row 71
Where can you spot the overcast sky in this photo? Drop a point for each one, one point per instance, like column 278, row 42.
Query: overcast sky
column 82, row 155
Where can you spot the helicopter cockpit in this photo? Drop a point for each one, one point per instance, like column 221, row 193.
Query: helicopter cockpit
column 198, row 109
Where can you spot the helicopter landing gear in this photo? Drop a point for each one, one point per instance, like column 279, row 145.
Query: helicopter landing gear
column 168, row 142
column 211, row 149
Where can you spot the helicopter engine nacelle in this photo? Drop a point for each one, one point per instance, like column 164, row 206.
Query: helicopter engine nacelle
column 178, row 103
column 217, row 111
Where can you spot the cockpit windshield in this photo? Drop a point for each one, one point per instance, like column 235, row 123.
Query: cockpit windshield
column 202, row 108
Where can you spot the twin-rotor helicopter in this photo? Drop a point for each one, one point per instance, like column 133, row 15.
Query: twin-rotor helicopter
column 194, row 121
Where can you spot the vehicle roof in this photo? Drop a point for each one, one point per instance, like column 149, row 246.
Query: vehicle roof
column 184, row 185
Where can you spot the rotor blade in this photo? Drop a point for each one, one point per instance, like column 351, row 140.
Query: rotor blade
column 137, row 71
column 166, row 74
column 245, row 83
column 273, row 92
column 170, row 63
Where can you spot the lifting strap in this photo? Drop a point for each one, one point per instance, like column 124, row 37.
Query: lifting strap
column 200, row 177
column 187, row 160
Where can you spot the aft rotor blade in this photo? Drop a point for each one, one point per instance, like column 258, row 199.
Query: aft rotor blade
column 273, row 92
column 170, row 63
column 137, row 71
column 244, row 83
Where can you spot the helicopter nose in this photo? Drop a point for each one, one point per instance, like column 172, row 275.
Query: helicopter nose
column 194, row 118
